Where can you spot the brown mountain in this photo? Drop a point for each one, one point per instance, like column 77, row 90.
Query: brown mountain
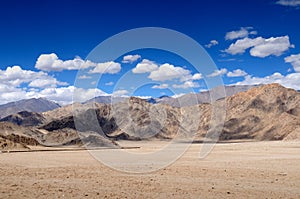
column 267, row 112
column 253, row 114
column 270, row 112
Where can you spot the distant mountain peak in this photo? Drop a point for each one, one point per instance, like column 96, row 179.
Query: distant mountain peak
column 164, row 96
column 30, row 105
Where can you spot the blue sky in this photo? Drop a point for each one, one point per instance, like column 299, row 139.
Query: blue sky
column 251, row 42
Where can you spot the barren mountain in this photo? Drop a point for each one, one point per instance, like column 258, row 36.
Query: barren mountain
column 252, row 114
column 14, row 136
column 270, row 112
column 25, row 118
column 31, row 105
column 267, row 112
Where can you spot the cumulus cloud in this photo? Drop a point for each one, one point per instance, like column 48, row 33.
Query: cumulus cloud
column 168, row 72
column 187, row 84
column 242, row 33
column 189, row 77
column 291, row 3
column 261, row 47
column 17, row 83
column 11, row 94
column 290, row 81
column 212, row 43
column 294, row 60
column 15, row 76
column 165, row 72
column 43, row 83
column 241, row 45
column 145, row 66
column 272, row 46
column 236, row 73
column 197, row 76
column 216, row 73
column 161, row 86
column 61, row 95
column 65, row 95
column 120, row 93
column 130, row 58
column 106, row 67
column 51, row 62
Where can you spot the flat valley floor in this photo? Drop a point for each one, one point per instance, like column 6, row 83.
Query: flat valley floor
column 231, row 170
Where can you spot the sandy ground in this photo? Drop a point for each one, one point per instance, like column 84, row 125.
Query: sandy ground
column 236, row 170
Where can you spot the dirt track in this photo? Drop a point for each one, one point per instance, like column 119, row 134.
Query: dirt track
column 241, row 170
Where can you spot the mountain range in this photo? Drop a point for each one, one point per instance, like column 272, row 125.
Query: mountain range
column 252, row 114
column 42, row 105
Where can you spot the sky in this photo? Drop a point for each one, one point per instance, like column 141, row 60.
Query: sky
column 45, row 46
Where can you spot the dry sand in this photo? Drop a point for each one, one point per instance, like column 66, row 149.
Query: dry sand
column 236, row 170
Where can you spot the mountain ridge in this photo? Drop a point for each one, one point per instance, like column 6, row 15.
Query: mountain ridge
column 252, row 114
column 31, row 105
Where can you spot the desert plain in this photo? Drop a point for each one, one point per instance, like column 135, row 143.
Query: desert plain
column 265, row 169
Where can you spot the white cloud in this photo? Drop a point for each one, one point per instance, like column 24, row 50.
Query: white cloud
column 43, row 83
column 120, row 93
column 236, row 73
column 216, row 73
column 294, row 60
column 17, row 83
column 62, row 95
column 197, row 76
column 242, row 33
column 51, row 62
column 241, row 45
column 84, row 77
column 165, row 71
column 187, row 84
column 292, row 3
column 161, row 86
column 272, row 46
column 212, row 43
column 11, row 95
column 290, row 81
column 190, row 77
column 145, row 66
column 130, row 58
column 109, row 83
column 15, row 76
column 168, row 72
column 106, row 67
column 261, row 47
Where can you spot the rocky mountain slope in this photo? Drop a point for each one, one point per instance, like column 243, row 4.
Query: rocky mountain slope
column 266, row 112
column 31, row 105
column 25, row 118
column 270, row 112
column 253, row 114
